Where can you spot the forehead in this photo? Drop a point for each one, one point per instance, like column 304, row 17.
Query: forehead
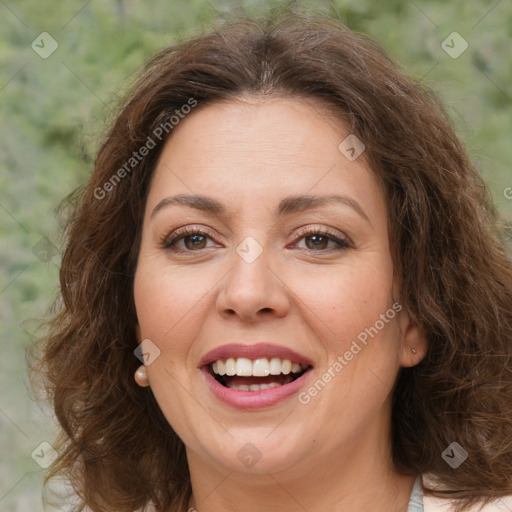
column 253, row 149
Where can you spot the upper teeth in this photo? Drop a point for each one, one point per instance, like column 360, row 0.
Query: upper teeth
column 244, row 367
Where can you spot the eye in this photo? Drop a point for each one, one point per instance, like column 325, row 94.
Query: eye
column 319, row 239
column 193, row 239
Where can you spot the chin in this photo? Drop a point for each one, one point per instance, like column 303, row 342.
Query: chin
column 253, row 452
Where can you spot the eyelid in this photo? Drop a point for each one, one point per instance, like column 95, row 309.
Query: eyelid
column 183, row 232
column 342, row 240
column 324, row 230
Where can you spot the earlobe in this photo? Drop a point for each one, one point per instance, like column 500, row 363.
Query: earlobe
column 414, row 341
column 137, row 333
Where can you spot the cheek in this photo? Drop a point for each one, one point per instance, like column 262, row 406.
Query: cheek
column 361, row 343
column 354, row 318
column 166, row 303
column 349, row 299
column 166, row 296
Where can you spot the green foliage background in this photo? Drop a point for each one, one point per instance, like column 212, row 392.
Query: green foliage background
column 53, row 112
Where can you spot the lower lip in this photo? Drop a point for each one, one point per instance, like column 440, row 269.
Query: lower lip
column 254, row 400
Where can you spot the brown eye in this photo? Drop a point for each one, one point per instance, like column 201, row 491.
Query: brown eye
column 196, row 241
column 193, row 240
column 318, row 240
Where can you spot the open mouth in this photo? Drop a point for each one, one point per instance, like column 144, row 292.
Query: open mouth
column 245, row 374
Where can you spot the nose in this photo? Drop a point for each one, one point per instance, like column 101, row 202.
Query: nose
column 253, row 291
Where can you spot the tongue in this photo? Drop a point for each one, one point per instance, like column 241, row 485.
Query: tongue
column 248, row 381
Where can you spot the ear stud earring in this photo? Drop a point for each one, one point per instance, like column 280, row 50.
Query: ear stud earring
column 141, row 376
column 413, row 350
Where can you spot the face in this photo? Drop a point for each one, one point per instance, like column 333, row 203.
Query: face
column 255, row 281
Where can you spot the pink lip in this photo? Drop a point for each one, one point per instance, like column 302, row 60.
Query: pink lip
column 256, row 351
column 253, row 400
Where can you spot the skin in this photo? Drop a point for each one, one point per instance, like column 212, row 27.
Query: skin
column 334, row 452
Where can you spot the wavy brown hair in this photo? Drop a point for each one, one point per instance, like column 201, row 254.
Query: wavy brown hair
column 452, row 263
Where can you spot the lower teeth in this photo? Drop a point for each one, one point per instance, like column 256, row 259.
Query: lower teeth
column 285, row 379
column 253, row 387
column 267, row 383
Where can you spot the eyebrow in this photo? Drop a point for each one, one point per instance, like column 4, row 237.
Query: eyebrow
column 287, row 205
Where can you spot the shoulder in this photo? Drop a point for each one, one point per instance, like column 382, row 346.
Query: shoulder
column 58, row 495
column 433, row 504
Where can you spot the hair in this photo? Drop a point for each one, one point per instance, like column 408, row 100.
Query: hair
column 450, row 257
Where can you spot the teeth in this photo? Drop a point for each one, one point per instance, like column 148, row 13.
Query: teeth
column 254, row 387
column 260, row 368
column 276, row 365
column 230, row 366
column 244, row 367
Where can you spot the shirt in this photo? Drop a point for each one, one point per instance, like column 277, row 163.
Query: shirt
column 59, row 496
column 416, row 499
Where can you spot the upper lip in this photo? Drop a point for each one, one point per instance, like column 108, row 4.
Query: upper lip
column 255, row 351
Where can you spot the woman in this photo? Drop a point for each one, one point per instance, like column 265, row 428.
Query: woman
column 284, row 289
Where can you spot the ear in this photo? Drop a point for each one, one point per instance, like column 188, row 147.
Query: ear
column 137, row 333
column 414, row 340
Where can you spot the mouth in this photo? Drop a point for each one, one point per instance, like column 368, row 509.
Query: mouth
column 254, row 377
column 244, row 374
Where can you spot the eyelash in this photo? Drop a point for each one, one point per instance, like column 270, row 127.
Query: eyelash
column 168, row 242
